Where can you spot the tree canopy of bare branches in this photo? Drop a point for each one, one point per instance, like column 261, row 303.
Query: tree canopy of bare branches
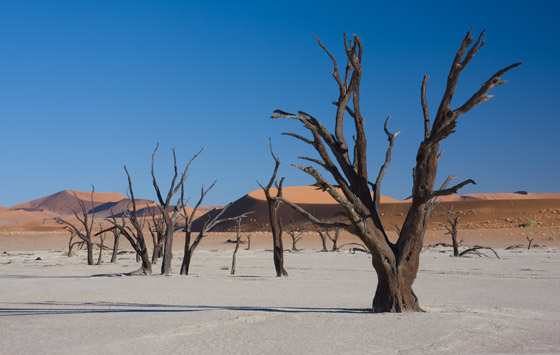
column 164, row 205
column 85, row 231
column 134, row 235
column 396, row 264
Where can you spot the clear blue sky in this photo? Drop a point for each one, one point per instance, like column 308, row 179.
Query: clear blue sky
column 87, row 86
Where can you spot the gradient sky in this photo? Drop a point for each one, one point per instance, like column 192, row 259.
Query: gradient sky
column 87, row 86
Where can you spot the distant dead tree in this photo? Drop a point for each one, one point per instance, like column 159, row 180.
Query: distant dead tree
column 452, row 229
column 248, row 242
column 275, row 222
column 85, row 232
column 530, row 240
column 295, row 233
column 165, row 206
column 323, row 235
column 396, row 264
column 211, row 221
column 71, row 244
column 134, row 235
column 237, row 241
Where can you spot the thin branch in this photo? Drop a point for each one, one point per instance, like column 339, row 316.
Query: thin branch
column 377, row 185
column 425, row 109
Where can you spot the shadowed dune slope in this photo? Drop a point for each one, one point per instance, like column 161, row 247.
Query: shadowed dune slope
column 477, row 211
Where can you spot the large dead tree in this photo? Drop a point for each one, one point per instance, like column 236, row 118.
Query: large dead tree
column 164, row 205
column 275, row 222
column 396, row 264
column 86, row 233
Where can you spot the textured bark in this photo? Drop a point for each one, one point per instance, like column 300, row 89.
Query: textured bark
column 396, row 264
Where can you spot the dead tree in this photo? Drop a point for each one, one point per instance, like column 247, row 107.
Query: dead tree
column 71, row 244
column 334, row 239
column 134, row 235
column 295, row 233
column 85, row 232
column 248, row 242
column 275, row 222
column 396, row 264
column 237, row 241
column 530, row 240
column 452, row 229
column 476, row 250
column 164, row 206
column 323, row 235
column 212, row 220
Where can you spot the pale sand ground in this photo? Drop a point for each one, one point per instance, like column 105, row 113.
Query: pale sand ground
column 59, row 305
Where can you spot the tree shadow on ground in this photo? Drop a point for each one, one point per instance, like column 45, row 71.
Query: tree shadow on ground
column 62, row 308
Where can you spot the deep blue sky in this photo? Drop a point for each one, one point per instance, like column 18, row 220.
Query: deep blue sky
column 87, row 86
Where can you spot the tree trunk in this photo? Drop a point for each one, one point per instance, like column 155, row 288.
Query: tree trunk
column 323, row 241
column 167, row 252
column 115, row 248
column 394, row 293
column 185, row 265
column 89, row 247
column 455, row 244
column 278, row 245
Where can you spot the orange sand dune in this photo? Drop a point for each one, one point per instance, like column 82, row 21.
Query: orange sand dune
column 501, row 196
column 307, row 195
column 65, row 202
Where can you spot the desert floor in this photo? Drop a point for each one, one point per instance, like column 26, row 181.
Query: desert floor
column 474, row 305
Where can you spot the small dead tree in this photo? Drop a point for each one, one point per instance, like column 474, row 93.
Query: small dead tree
column 275, row 222
column 323, row 235
column 530, row 240
column 134, row 235
column 164, row 206
column 334, row 239
column 396, row 264
column 212, row 220
column 296, row 233
column 237, row 242
column 71, row 244
column 85, row 232
column 248, row 242
column 452, row 229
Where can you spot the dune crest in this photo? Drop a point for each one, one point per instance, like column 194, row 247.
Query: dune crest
column 308, row 195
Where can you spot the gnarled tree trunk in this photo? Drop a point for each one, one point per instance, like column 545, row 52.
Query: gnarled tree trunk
column 396, row 264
